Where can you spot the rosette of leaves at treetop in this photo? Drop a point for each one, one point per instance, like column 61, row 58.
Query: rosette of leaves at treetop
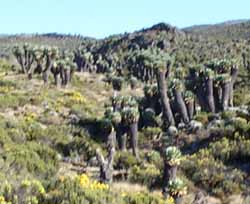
column 130, row 115
column 220, row 65
column 150, row 90
column 177, row 188
column 188, row 96
column 51, row 52
column 222, row 78
column 39, row 53
column 196, row 70
column 153, row 58
column 129, row 101
column 114, row 117
column 17, row 51
column 162, row 60
column 173, row 156
column 180, row 73
column 176, row 84
column 209, row 74
column 196, row 74
column 116, row 100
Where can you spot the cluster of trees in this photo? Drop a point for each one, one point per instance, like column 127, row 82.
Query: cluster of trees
column 45, row 60
column 184, row 90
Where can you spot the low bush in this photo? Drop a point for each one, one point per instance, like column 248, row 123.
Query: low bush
column 146, row 174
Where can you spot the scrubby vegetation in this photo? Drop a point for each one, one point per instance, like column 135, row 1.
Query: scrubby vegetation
column 158, row 116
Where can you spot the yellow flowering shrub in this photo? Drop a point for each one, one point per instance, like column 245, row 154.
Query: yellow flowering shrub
column 85, row 182
column 5, row 89
column 35, row 186
column 69, row 98
column 75, row 97
column 170, row 200
column 82, row 189
column 30, row 117
column 3, row 201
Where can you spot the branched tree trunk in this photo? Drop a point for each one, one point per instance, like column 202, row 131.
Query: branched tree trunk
column 166, row 109
column 181, row 107
column 106, row 165
column 209, row 95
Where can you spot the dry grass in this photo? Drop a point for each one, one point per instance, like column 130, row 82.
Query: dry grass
column 128, row 187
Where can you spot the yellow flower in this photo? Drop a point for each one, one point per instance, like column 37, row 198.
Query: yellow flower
column 61, row 178
column 124, row 194
column 85, row 182
column 75, row 97
column 170, row 200
column 2, row 199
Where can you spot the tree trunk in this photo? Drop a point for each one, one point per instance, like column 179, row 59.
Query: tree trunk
column 225, row 95
column 62, row 75
column 209, row 95
column 169, row 173
column 181, row 107
column 201, row 97
column 217, row 98
column 67, row 76
column 46, row 76
column 133, row 129
column 106, row 166
column 166, row 109
column 234, row 74
column 121, row 137
column 38, row 69
column 56, row 78
column 190, row 109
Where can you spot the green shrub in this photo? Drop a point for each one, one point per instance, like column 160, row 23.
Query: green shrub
column 228, row 115
column 211, row 174
column 81, row 146
column 154, row 157
column 147, row 175
column 13, row 100
column 27, row 192
column 34, row 158
column 151, row 132
column 202, row 117
column 124, row 160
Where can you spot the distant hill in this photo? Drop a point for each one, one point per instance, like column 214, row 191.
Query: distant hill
column 160, row 35
column 235, row 29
